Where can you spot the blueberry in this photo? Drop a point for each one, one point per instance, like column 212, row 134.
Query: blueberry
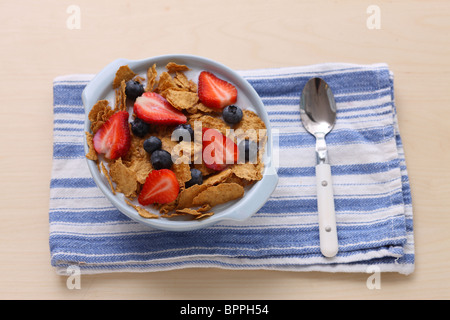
column 232, row 114
column 139, row 127
column 248, row 150
column 183, row 131
column 196, row 178
column 134, row 89
column 161, row 159
column 152, row 144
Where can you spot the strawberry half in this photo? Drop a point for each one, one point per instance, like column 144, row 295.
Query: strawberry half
column 161, row 186
column 154, row 108
column 113, row 138
column 218, row 150
column 214, row 92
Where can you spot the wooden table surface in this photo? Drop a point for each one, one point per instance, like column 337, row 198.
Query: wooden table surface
column 40, row 40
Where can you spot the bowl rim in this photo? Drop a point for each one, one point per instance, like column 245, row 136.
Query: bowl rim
column 243, row 208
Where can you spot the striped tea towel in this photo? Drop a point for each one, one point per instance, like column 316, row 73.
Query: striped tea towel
column 370, row 181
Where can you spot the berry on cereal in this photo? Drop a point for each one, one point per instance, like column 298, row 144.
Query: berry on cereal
column 154, row 108
column 161, row 186
column 133, row 89
column 196, row 178
column 218, row 150
column 183, row 132
column 232, row 114
column 139, row 127
column 248, row 151
column 161, row 159
column 113, row 138
column 214, row 92
column 152, row 144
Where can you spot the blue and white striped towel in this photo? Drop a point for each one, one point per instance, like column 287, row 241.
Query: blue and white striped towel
column 371, row 185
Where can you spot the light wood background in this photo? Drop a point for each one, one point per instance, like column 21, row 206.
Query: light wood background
column 36, row 46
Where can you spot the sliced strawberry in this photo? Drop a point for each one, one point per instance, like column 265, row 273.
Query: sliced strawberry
column 113, row 138
column 218, row 150
column 161, row 186
column 214, row 92
column 154, row 108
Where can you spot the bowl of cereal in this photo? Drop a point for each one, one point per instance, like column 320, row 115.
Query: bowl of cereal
column 178, row 142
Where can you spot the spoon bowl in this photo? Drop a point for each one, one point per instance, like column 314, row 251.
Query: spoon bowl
column 317, row 107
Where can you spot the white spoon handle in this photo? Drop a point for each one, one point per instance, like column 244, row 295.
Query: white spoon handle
column 327, row 216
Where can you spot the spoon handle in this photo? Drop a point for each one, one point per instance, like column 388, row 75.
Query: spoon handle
column 327, row 216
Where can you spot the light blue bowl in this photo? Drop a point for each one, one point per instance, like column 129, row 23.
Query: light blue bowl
column 255, row 196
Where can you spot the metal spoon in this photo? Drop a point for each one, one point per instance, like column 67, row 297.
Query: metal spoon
column 318, row 115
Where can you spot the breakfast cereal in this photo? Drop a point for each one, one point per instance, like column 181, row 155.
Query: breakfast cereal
column 132, row 167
